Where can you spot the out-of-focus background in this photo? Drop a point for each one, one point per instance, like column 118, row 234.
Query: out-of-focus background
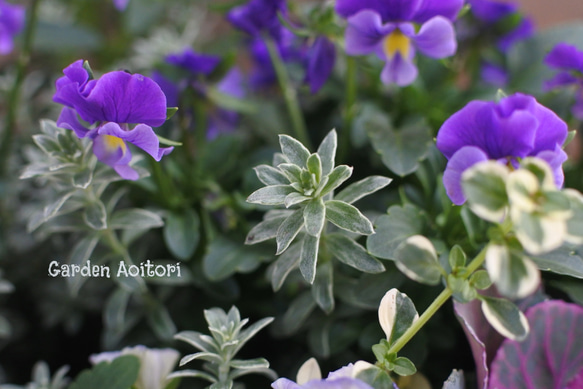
column 547, row 13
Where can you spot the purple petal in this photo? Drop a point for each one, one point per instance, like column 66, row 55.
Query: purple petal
column 436, row 38
column 142, row 136
column 389, row 10
column 577, row 108
column 339, row 383
column 566, row 57
column 121, row 4
column 11, row 23
column 560, row 80
column 463, row 159
column 552, row 354
column 493, row 74
column 128, row 98
column 449, row 9
column 320, row 57
column 68, row 119
column 232, row 84
column 194, row 62
column 257, row 16
column 523, row 31
column 365, row 31
column 491, row 11
column 113, row 151
column 555, row 158
column 73, row 89
column 399, row 71
column 284, row 383
column 169, row 88
column 552, row 131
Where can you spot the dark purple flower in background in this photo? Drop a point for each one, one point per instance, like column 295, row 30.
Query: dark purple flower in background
column 388, row 29
column 11, row 23
column 193, row 62
column 258, row 16
column 223, row 120
column 506, row 131
column 494, row 74
column 569, row 61
column 113, row 102
column 121, row 4
column 319, row 62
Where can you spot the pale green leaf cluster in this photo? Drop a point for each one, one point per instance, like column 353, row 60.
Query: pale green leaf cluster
column 218, row 350
column 41, row 378
column 304, row 184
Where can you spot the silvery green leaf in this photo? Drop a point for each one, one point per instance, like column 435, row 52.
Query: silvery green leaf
column 480, row 280
column 205, row 356
column 352, row 254
column 50, row 128
column 248, row 364
column 565, row 260
column 270, row 195
column 222, row 385
column 265, row 230
column 362, row 188
column 457, row 257
column 47, row 144
column 484, row 185
column 161, row 323
column 505, row 317
column 348, row 217
column 322, row 288
column 309, row 257
column 297, row 313
column 417, row 259
column 515, row 275
column 114, row 313
column 294, row 151
column 279, row 158
column 392, row 229
column 295, row 198
column 79, row 256
column 284, row 264
column 269, row 373
column 327, row 152
column 83, row 178
column 396, row 314
column 198, row 340
column 335, row 179
column 269, row 175
column 193, row 374
column 314, row 165
column 249, row 332
column 292, row 172
column 95, row 216
column 288, row 230
column 131, row 218
column 182, row 233
column 542, row 171
column 538, row 233
column 575, row 222
column 215, row 318
column 404, row 367
column 53, row 208
column 314, row 216
column 5, row 328
column 461, row 288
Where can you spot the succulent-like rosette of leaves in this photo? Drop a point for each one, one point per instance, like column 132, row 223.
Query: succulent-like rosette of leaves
column 304, row 182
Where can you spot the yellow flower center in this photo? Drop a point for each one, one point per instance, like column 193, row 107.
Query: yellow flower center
column 397, row 42
column 114, row 143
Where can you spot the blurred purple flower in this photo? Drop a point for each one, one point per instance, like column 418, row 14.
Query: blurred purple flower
column 11, row 23
column 223, row 120
column 494, row 74
column 387, row 28
column 319, row 62
column 193, row 62
column 339, row 379
column 258, row 16
column 515, row 127
column 569, row 61
column 113, row 102
column 121, row 4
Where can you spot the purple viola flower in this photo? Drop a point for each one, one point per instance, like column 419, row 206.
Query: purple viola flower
column 319, row 62
column 342, row 378
column 569, row 61
column 494, row 74
column 258, row 16
column 388, row 29
column 506, row 131
column 113, row 103
column 121, row 5
column 11, row 23
column 194, row 62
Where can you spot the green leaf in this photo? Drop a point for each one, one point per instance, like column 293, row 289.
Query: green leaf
column 457, row 257
column 565, row 260
column 182, row 233
column 314, row 216
column 168, row 142
column 269, row 175
column 297, row 313
column 249, row 332
column 396, row 314
column 83, row 178
column 161, row 323
column 375, row 377
column 461, row 288
column 192, row 374
column 270, row 195
column 284, row 264
column 309, row 257
column 484, row 185
column 327, row 152
column 401, row 149
column 265, row 230
column 352, row 254
column 505, row 317
column 135, row 218
column 335, row 179
column 47, row 144
column 480, row 280
column 294, row 151
column 170, row 111
column 121, row 373
column 288, row 230
column 114, row 313
column 314, row 165
column 229, row 102
column 198, row 340
column 404, row 367
column 292, row 172
column 211, row 357
column 248, row 364
column 348, row 217
column 79, row 256
column 95, row 215
column 225, row 257
column 362, row 188
column 322, row 289
column 515, row 275
column 417, row 259
column 392, row 229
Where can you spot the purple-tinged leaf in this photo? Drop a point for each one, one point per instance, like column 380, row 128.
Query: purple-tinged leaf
column 550, row 357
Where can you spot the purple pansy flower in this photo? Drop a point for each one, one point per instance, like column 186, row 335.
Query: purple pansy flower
column 388, row 29
column 11, row 23
column 258, row 16
column 121, row 4
column 113, row 102
column 193, row 62
column 319, row 62
column 569, row 61
column 515, row 127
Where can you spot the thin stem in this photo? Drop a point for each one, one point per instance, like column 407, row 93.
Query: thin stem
column 435, row 305
column 289, row 94
column 349, row 107
column 14, row 97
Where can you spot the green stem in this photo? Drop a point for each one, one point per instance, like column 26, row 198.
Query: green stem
column 435, row 305
column 289, row 94
column 14, row 96
column 349, row 107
